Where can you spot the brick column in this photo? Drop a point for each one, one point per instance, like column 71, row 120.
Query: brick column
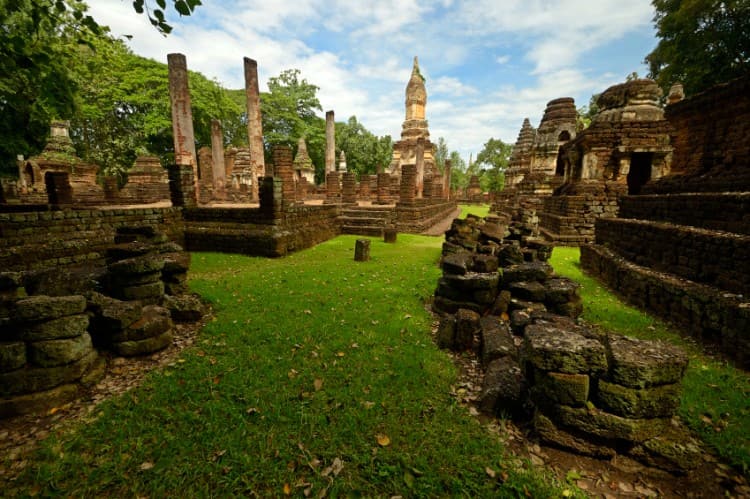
column 333, row 188
column 218, row 174
column 254, row 123
column 437, row 187
column 384, row 187
column 330, row 142
column 282, row 164
column 408, row 184
column 447, row 180
column 270, row 194
column 364, row 187
column 182, row 115
column 419, row 175
column 349, row 188
column 427, row 187
column 182, row 186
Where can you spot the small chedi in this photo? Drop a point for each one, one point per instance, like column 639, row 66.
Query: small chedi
column 585, row 390
column 627, row 145
column 694, row 269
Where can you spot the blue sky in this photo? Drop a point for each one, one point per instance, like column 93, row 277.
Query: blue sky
column 488, row 64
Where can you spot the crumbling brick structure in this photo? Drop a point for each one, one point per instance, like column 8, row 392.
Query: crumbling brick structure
column 692, row 269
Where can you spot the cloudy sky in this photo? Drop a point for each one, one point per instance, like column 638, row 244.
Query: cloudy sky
column 488, row 63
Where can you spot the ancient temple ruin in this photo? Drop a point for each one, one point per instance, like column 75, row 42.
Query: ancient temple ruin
column 679, row 244
column 627, row 145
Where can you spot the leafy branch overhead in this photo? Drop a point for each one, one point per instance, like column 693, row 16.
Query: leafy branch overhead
column 157, row 15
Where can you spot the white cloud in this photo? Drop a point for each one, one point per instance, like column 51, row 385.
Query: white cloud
column 502, row 59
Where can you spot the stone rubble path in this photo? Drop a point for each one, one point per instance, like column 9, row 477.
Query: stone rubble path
column 439, row 228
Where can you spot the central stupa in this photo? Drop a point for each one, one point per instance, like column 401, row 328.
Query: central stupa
column 413, row 131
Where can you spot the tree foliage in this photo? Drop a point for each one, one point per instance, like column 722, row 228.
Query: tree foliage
column 701, row 42
column 459, row 176
column 491, row 162
column 441, row 154
column 364, row 150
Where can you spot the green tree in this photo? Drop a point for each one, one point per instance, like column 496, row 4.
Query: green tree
column 124, row 109
column 701, row 42
column 585, row 114
column 459, row 176
column 492, row 161
column 36, row 84
column 364, row 150
column 441, row 153
column 288, row 113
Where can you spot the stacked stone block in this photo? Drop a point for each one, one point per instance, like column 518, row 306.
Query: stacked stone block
column 283, row 168
column 407, row 190
column 349, row 188
column 589, row 391
column 182, row 186
column 333, row 188
column 46, row 351
column 383, row 189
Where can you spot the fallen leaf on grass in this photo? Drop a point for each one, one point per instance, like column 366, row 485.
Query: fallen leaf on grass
column 287, row 489
column 146, row 465
column 490, row 472
column 383, row 440
column 318, row 384
column 340, row 354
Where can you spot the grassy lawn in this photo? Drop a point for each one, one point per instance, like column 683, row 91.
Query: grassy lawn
column 479, row 210
column 317, row 376
column 716, row 396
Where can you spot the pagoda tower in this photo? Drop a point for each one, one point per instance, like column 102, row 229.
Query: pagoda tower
column 414, row 130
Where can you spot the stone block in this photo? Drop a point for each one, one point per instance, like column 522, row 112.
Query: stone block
column 510, row 254
column 37, row 402
column 390, row 235
column 675, row 451
column 449, row 306
column 362, row 250
column 550, row 433
column 112, row 315
column 132, row 249
column 501, row 303
column 497, row 341
column 485, row 297
column 40, row 308
column 142, row 347
column 569, row 309
column 467, row 329
column 65, row 327
column 503, row 388
column 530, row 306
column 176, row 289
column 446, row 332
column 560, row 388
column 519, row 319
column 10, row 281
column 457, row 263
column 530, row 271
column 485, row 263
column 147, row 293
column 145, row 264
column 610, row 426
column 473, row 281
column 176, row 262
column 184, row 308
column 656, row 402
column 640, row 364
column 12, row 356
column 53, row 353
column 551, row 348
column 43, row 378
column 561, row 290
column 154, row 321
column 120, row 281
column 528, row 290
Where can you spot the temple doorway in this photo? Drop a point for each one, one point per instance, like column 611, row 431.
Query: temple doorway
column 640, row 171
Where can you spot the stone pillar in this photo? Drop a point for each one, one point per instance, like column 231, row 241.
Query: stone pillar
column 372, row 180
column 447, row 180
column 333, row 188
column 438, row 188
column 362, row 250
column 182, row 115
column 270, row 194
column 384, row 187
column 408, row 186
column 364, row 188
column 330, row 142
column 282, row 163
column 217, row 152
column 349, row 188
column 427, row 187
column 205, row 180
column 182, row 186
column 419, row 168
column 254, row 123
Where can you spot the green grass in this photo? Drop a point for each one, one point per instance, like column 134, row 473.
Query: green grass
column 716, row 396
column 308, row 360
column 480, row 210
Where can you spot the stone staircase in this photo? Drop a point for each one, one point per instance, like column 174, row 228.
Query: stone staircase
column 365, row 220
